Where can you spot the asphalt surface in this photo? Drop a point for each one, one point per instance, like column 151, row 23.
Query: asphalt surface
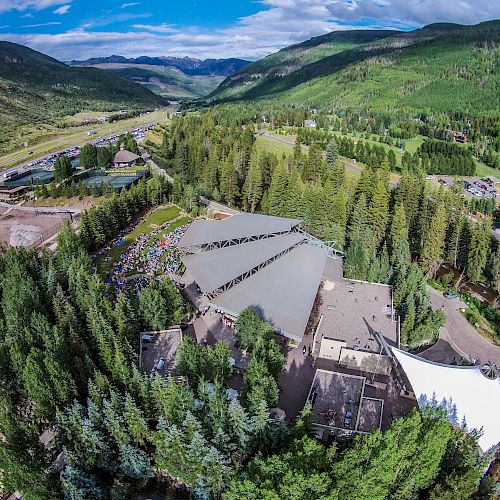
column 460, row 335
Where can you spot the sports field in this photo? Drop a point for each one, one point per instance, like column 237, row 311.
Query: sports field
column 116, row 181
column 34, row 177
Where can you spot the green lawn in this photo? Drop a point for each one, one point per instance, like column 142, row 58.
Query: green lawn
column 148, row 225
column 483, row 170
column 270, row 146
column 411, row 145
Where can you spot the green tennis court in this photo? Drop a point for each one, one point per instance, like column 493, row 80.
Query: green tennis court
column 117, row 181
column 32, row 177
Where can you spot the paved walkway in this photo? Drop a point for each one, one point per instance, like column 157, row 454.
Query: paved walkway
column 460, row 335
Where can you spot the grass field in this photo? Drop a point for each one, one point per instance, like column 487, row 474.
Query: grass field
column 483, row 170
column 148, row 225
column 270, row 146
column 78, row 135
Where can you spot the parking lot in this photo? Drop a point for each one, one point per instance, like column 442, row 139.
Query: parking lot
column 47, row 162
column 473, row 186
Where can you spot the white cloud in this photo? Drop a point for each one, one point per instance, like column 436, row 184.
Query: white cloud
column 155, row 28
column 28, row 15
column 21, row 5
column 4, row 26
column 129, row 4
column 64, row 9
column 51, row 23
column 278, row 24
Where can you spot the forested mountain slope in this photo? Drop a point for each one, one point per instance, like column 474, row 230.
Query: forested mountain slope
column 35, row 88
column 249, row 80
column 444, row 67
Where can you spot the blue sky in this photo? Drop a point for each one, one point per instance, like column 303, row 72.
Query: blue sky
column 78, row 29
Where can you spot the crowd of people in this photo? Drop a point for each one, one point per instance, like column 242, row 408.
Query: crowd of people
column 149, row 256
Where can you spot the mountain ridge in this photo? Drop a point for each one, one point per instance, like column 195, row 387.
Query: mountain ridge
column 435, row 49
column 188, row 65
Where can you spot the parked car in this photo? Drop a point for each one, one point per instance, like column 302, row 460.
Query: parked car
column 148, row 339
column 450, row 294
column 161, row 364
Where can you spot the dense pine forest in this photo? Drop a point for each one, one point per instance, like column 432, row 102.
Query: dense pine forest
column 70, row 367
column 399, row 236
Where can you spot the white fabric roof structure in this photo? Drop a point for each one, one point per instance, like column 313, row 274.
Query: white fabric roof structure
column 462, row 390
column 244, row 225
column 216, row 268
column 283, row 292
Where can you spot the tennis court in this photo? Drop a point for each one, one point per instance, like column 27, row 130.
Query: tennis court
column 117, row 181
column 32, row 177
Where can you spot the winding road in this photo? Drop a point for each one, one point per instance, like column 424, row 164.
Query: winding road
column 459, row 334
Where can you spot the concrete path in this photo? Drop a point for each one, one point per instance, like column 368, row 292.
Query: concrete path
column 460, row 335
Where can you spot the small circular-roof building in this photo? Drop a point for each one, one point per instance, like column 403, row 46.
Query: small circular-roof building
column 124, row 159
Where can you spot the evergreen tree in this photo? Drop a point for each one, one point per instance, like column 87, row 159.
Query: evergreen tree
column 229, row 183
column 398, row 240
column 103, row 157
column 62, row 168
column 379, row 211
column 88, row 156
column 431, row 256
column 331, row 152
column 478, row 249
column 278, row 191
column 252, row 189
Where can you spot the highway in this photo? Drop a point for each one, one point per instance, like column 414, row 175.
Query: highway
column 18, row 159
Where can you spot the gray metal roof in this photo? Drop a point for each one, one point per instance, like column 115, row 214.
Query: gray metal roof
column 215, row 268
column 243, row 225
column 284, row 291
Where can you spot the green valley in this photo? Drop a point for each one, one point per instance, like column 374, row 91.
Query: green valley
column 37, row 91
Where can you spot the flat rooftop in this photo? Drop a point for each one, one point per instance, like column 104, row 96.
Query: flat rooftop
column 370, row 414
column 339, row 400
column 353, row 311
column 242, row 225
column 333, row 395
column 165, row 346
column 283, row 292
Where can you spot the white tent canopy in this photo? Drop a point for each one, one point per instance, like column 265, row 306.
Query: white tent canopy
column 462, row 390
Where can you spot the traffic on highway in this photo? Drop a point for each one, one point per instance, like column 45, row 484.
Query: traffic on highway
column 47, row 162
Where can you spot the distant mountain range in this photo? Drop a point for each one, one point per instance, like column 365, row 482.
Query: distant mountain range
column 443, row 67
column 36, row 90
column 188, row 65
column 170, row 77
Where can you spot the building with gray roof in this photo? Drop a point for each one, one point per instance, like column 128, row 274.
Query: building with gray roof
column 283, row 292
column 221, row 268
column 257, row 261
column 237, row 229
column 124, row 158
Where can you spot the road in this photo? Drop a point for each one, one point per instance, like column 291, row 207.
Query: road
column 393, row 183
column 460, row 334
column 20, row 158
